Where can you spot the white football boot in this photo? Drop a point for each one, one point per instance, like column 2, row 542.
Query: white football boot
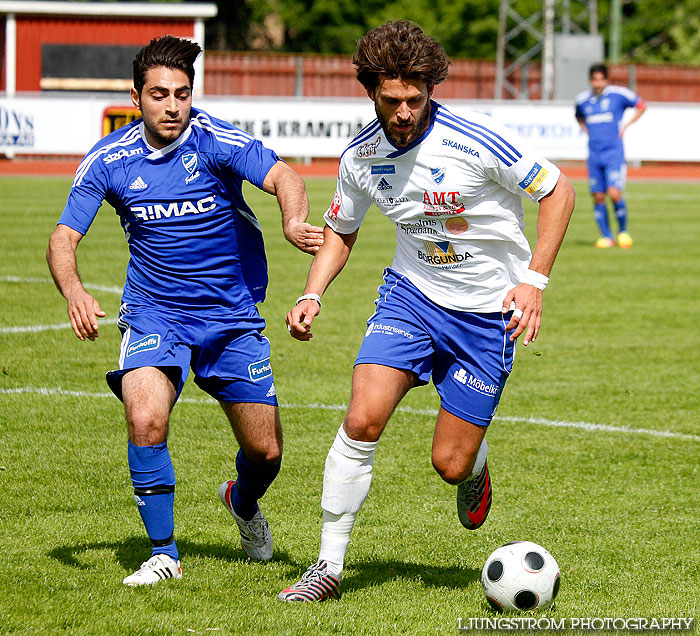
column 158, row 568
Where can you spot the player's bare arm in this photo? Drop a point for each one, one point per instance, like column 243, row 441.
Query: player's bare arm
column 83, row 309
column 327, row 264
column 638, row 112
column 555, row 210
column 290, row 191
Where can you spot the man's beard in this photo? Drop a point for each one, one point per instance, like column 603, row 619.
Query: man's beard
column 168, row 137
column 404, row 139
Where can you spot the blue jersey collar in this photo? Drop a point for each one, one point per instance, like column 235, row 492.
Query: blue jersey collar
column 400, row 151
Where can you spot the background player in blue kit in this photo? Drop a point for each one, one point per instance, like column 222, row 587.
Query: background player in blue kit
column 197, row 268
column 463, row 285
column 599, row 112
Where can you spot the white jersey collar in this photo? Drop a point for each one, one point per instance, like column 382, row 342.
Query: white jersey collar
column 604, row 93
column 157, row 153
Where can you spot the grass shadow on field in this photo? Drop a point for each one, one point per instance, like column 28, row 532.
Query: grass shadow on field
column 372, row 573
column 132, row 551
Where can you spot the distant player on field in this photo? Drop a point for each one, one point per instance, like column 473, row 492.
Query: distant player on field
column 462, row 280
column 197, row 269
column 599, row 112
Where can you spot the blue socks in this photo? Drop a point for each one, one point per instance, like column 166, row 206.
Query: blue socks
column 621, row 214
column 153, row 477
column 601, row 217
column 252, row 482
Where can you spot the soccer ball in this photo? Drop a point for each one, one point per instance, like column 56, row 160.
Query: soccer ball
column 520, row 576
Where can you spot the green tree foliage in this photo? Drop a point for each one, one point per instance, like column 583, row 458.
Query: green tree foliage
column 652, row 30
column 662, row 32
column 466, row 28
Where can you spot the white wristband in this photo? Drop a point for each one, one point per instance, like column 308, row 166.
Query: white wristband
column 315, row 297
column 535, row 279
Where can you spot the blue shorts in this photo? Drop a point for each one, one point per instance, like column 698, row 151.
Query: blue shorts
column 468, row 355
column 607, row 170
column 229, row 355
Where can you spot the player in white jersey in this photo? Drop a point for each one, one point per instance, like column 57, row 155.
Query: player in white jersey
column 197, row 268
column 462, row 288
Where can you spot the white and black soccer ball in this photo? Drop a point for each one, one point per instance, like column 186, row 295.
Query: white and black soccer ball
column 520, row 576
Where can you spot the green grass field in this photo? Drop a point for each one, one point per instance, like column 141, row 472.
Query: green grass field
column 595, row 452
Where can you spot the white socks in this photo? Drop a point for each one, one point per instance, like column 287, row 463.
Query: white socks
column 480, row 460
column 335, row 537
column 346, row 481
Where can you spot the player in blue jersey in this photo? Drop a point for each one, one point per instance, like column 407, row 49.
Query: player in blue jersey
column 599, row 112
column 463, row 286
column 197, row 268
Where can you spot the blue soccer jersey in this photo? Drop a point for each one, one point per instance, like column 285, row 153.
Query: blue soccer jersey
column 602, row 115
column 194, row 243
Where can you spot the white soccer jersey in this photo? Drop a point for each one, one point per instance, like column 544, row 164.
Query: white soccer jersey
column 455, row 195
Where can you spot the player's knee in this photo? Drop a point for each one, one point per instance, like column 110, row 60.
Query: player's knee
column 268, row 452
column 452, row 468
column 270, row 456
column 452, row 474
column 362, row 426
column 146, row 425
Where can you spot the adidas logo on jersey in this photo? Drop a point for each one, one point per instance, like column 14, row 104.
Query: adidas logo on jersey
column 138, row 184
column 271, row 391
column 384, row 184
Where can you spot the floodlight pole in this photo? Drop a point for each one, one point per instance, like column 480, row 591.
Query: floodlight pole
column 500, row 49
column 537, row 30
column 593, row 17
column 615, row 30
column 548, row 51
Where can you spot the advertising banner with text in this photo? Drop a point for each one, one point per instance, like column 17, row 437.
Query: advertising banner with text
column 323, row 127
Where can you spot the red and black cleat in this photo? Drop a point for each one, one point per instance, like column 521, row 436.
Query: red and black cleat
column 474, row 499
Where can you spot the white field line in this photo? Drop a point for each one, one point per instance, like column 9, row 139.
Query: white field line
column 18, row 279
column 37, row 328
column 65, row 325
column 585, row 426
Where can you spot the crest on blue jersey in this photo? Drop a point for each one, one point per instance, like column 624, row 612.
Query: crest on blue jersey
column 438, row 174
column 189, row 160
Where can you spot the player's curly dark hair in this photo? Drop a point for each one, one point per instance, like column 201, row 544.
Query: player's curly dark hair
column 399, row 50
column 168, row 51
